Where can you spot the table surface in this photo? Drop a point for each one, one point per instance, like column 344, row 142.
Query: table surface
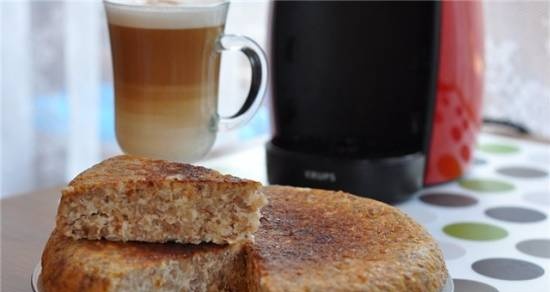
column 492, row 225
column 27, row 221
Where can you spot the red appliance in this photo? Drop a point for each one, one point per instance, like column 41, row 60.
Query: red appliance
column 377, row 98
column 457, row 114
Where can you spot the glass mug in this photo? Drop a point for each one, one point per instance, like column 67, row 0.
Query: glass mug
column 166, row 61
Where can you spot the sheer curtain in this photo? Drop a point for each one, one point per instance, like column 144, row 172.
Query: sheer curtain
column 518, row 63
column 50, row 91
column 18, row 140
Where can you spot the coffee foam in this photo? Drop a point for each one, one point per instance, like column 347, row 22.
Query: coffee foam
column 166, row 14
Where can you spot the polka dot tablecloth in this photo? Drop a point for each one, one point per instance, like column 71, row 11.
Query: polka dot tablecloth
column 492, row 225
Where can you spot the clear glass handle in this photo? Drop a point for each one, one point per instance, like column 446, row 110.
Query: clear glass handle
column 258, row 84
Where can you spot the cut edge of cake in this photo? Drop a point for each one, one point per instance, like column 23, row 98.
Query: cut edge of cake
column 129, row 198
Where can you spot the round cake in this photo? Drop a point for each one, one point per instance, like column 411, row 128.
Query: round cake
column 309, row 240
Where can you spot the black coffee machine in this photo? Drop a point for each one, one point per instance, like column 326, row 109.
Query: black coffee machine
column 352, row 95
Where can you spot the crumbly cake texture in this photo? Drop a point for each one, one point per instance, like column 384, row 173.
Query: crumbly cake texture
column 309, row 240
column 128, row 198
column 101, row 265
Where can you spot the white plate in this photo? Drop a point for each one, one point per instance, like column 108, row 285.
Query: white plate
column 34, row 278
column 449, row 286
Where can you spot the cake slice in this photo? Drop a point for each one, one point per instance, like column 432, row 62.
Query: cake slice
column 128, row 198
column 309, row 240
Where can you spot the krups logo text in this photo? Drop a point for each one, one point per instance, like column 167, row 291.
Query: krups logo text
column 320, row 175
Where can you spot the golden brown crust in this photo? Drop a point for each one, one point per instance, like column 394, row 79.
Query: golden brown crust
column 126, row 168
column 315, row 240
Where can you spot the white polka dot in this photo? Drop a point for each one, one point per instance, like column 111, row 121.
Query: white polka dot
column 451, row 251
column 421, row 215
column 538, row 198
